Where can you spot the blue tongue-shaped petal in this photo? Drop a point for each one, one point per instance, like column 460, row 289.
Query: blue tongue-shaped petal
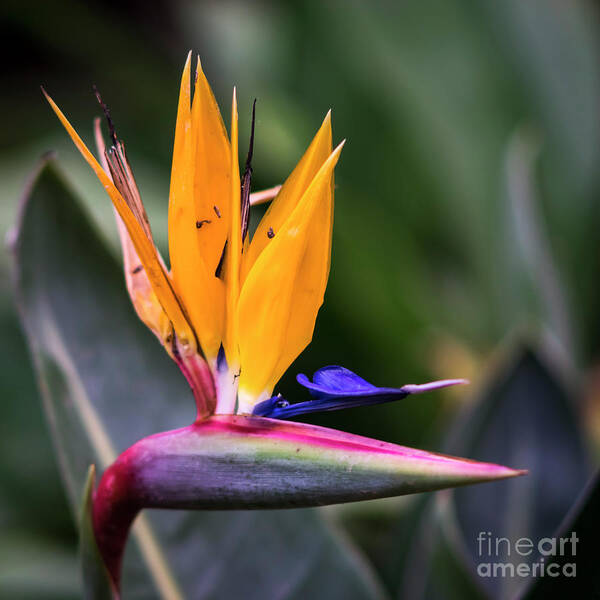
column 336, row 388
column 335, row 381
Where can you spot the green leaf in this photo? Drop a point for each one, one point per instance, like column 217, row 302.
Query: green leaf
column 105, row 383
column 385, row 530
column 96, row 580
column 436, row 566
column 583, row 580
column 527, row 415
column 419, row 554
column 524, row 416
column 34, row 567
column 536, row 293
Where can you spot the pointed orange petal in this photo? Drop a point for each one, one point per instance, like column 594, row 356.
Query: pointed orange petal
column 193, row 277
column 234, row 246
column 212, row 172
column 290, row 193
column 284, row 289
column 144, row 246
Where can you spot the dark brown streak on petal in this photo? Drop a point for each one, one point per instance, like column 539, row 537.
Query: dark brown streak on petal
column 111, row 125
column 121, row 172
column 270, row 233
column 137, row 269
column 247, row 177
column 124, row 181
column 202, row 222
column 217, row 211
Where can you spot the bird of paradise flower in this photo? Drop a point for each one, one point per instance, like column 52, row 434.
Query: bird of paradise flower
column 233, row 312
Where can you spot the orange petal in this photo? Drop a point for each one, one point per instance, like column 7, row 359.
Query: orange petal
column 212, row 172
column 145, row 249
column 290, row 193
column 192, row 268
column 284, row 289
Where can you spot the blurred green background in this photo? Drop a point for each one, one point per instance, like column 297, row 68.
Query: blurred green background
column 467, row 210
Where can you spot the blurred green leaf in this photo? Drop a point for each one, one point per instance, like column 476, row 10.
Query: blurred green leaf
column 537, row 292
column 419, row 554
column 437, row 566
column 584, row 520
column 524, row 416
column 32, row 568
column 106, row 383
column 96, row 580
column 386, row 531
column 26, row 459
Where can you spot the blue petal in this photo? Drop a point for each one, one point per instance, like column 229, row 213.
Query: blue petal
column 335, row 388
column 335, row 382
